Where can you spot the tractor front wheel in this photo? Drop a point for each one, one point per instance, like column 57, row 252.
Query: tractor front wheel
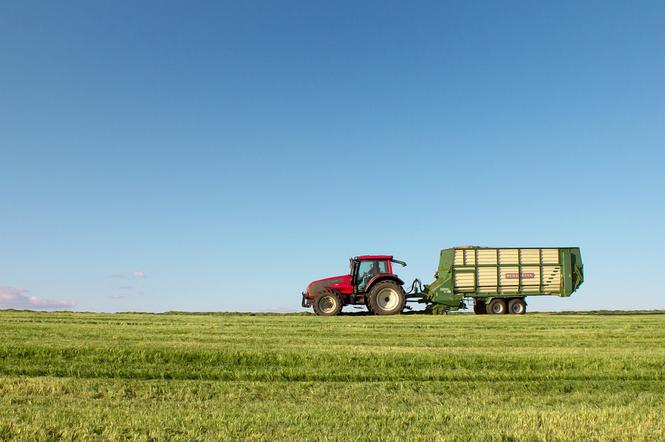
column 386, row 298
column 327, row 304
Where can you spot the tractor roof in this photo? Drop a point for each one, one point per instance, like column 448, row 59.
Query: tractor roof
column 373, row 257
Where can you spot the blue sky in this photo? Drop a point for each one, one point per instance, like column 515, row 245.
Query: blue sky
column 220, row 155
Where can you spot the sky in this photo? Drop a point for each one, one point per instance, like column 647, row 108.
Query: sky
column 218, row 156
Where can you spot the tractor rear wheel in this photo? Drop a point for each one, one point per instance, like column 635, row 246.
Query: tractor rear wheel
column 497, row 306
column 327, row 304
column 386, row 298
column 517, row 306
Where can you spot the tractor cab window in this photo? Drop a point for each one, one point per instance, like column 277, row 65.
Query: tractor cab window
column 367, row 270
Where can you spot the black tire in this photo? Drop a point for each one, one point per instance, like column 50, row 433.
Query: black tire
column 497, row 306
column 369, row 307
column 327, row 304
column 517, row 306
column 479, row 307
column 386, row 298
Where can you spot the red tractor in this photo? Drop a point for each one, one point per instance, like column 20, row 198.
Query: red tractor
column 371, row 282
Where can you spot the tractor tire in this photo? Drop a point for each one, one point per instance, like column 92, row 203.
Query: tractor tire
column 387, row 298
column 369, row 307
column 497, row 306
column 479, row 307
column 517, row 306
column 327, row 303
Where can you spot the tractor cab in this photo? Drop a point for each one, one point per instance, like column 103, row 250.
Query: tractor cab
column 368, row 276
column 366, row 268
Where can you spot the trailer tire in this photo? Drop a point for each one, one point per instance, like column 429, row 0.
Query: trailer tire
column 517, row 306
column 386, row 298
column 327, row 303
column 479, row 307
column 497, row 306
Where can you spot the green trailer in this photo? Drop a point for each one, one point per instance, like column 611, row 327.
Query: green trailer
column 498, row 279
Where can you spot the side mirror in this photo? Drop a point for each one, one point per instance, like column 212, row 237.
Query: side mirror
column 402, row 263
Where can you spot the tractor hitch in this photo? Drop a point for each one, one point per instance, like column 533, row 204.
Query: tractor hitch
column 306, row 302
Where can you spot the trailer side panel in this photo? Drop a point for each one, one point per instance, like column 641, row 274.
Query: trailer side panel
column 488, row 272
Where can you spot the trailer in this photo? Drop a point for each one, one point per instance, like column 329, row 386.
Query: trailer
column 494, row 280
column 497, row 280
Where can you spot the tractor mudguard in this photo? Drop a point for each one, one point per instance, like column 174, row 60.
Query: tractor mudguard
column 382, row 277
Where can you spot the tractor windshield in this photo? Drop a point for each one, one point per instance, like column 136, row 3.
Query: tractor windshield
column 368, row 269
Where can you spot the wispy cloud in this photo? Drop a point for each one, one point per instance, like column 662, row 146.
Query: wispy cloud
column 12, row 297
column 117, row 276
column 117, row 296
column 126, row 287
column 137, row 274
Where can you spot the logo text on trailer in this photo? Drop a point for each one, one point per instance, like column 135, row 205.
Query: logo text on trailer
column 525, row 275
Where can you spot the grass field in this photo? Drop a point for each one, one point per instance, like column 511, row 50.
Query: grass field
column 267, row 377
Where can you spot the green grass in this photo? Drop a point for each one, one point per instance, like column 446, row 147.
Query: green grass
column 598, row 376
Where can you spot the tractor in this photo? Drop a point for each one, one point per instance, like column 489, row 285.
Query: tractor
column 370, row 282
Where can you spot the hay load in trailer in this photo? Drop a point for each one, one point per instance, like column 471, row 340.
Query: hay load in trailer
column 494, row 280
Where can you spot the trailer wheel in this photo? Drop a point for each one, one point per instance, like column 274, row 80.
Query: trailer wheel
column 479, row 307
column 327, row 304
column 497, row 306
column 517, row 306
column 386, row 298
